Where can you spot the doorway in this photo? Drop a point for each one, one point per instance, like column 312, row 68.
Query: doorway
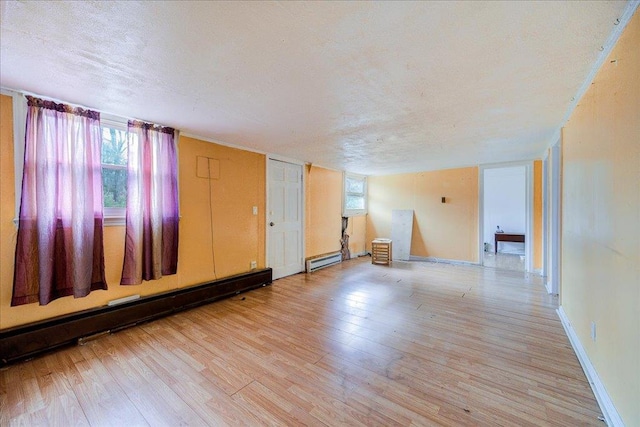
column 505, row 217
column 284, row 218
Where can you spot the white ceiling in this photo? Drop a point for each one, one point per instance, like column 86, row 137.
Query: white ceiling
column 368, row 87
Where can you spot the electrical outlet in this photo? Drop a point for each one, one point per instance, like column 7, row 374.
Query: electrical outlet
column 255, row 210
column 593, row 331
column 254, row 265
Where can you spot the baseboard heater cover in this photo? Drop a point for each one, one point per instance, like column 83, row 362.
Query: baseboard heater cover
column 323, row 261
column 25, row 341
column 123, row 300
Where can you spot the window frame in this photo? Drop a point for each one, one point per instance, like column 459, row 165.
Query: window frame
column 353, row 212
column 112, row 216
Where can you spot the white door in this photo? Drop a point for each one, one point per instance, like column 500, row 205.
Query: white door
column 284, row 218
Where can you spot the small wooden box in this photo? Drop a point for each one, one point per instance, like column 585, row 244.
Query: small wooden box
column 381, row 251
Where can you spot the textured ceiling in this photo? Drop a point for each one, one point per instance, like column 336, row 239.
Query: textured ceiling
column 367, row 87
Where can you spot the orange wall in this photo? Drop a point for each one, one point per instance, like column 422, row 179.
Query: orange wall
column 601, row 222
column 323, row 211
column 238, row 234
column 323, row 228
column 442, row 230
column 7, row 205
column 357, row 230
column 537, row 214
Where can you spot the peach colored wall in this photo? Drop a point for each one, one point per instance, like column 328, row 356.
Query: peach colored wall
column 537, row 214
column 7, row 204
column 357, row 230
column 323, row 211
column 601, row 222
column 238, row 234
column 442, row 230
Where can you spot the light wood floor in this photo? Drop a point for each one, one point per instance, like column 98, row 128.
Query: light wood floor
column 354, row 344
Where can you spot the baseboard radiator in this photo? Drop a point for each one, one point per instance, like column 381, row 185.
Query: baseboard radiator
column 323, row 261
column 25, row 341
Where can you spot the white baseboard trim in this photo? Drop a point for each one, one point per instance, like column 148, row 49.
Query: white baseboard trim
column 549, row 291
column 611, row 416
column 442, row 260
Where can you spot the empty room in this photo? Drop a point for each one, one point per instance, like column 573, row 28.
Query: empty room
column 319, row 213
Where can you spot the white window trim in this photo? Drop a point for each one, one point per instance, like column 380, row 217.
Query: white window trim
column 19, row 123
column 353, row 212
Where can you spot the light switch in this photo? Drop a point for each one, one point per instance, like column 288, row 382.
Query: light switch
column 255, row 210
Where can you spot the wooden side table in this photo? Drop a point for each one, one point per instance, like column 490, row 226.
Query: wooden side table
column 381, row 251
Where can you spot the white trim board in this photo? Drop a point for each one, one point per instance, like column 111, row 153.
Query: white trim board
column 441, row 260
column 555, row 220
column 611, row 416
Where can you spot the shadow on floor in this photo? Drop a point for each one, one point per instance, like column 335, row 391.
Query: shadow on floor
column 504, row 261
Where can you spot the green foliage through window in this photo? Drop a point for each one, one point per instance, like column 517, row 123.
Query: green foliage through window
column 114, row 167
column 355, row 194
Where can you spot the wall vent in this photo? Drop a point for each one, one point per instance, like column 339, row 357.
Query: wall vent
column 323, row 261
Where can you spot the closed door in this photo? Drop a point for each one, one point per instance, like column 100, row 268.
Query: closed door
column 284, row 218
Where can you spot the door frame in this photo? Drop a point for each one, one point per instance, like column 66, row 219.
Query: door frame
column 528, row 246
column 302, row 206
column 555, row 221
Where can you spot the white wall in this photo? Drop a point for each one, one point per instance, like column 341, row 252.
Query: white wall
column 505, row 204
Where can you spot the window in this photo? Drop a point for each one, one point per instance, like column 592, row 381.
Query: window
column 114, row 172
column 355, row 195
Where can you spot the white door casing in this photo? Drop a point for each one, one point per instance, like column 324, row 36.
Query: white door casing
column 528, row 190
column 553, row 278
column 284, row 218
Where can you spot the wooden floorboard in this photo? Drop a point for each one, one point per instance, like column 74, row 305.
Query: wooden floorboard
column 353, row 344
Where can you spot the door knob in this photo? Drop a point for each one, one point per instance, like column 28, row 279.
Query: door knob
column 271, row 223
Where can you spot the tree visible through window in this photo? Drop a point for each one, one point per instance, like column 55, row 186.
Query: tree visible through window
column 114, row 168
column 355, row 195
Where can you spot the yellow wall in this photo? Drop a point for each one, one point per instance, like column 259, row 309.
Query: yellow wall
column 357, row 230
column 323, row 211
column 442, row 230
column 537, row 214
column 238, row 234
column 323, row 228
column 601, row 222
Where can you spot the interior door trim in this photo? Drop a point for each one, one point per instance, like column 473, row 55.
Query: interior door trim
column 528, row 246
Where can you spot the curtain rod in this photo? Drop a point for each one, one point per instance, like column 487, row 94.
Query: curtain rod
column 107, row 116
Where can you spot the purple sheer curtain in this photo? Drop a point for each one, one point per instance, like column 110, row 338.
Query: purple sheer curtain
column 59, row 249
column 151, row 246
